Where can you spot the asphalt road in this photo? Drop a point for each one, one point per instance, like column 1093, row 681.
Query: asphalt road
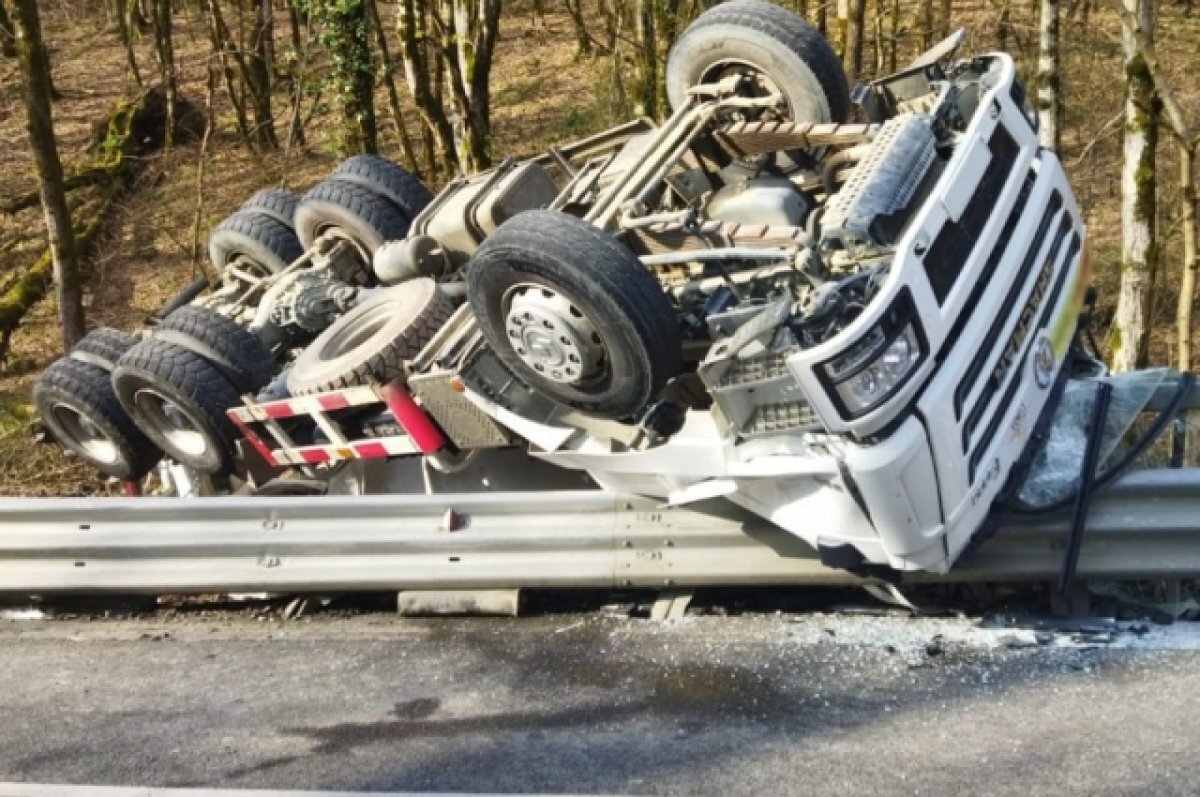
column 593, row 704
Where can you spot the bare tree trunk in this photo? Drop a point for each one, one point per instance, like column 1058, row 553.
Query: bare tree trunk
column 298, row 74
column 258, row 75
column 615, row 18
column 419, row 75
column 60, row 233
column 1004, row 25
column 253, row 70
column 164, row 48
column 893, row 35
column 947, row 14
column 268, row 39
column 878, row 37
column 226, row 50
column 1185, row 135
column 136, row 20
column 121, row 13
column 214, row 78
column 1139, row 250
column 926, row 24
column 406, row 145
column 645, row 102
column 468, row 31
column 482, row 18
column 666, row 29
column 1049, row 106
column 583, row 39
column 8, row 37
column 610, row 10
column 1187, row 283
column 841, row 27
column 854, row 39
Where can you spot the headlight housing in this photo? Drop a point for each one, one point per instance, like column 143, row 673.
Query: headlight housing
column 873, row 368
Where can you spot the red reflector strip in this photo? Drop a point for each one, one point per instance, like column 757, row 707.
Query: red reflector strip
column 314, row 455
column 420, row 428
column 282, row 409
column 371, row 450
column 333, row 401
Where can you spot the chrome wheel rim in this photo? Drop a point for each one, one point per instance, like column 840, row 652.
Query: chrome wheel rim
column 172, row 423
column 551, row 335
column 85, row 436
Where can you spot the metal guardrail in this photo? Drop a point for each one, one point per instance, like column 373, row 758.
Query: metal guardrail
column 1147, row 524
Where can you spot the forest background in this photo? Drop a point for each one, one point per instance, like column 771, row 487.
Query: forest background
column 168, row 114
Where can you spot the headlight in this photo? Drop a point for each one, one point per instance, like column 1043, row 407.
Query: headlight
column 873, row 368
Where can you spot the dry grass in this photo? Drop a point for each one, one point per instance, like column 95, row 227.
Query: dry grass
column 541, row 95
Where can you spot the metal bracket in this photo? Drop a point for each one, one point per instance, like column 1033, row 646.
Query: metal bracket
column 671, row 604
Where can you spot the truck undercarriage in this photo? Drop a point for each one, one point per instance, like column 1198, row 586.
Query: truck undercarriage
column 867, row 335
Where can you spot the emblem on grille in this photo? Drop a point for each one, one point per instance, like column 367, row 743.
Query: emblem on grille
column 1043, row 362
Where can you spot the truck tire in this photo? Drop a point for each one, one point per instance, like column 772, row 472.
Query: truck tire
column 384, row 177
column 372, row 341
column 574, row 313
column 278, row 203
column 178, row 399
column 77, row 404
column 266, row 242
column 367, row 218
column 785, row 51
column 102, row 347
column 247, row 363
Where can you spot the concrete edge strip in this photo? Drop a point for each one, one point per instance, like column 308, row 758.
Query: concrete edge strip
column 70, row 790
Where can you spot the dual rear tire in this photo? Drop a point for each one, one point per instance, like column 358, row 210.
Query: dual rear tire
column 367, row 201
column 79, row 407
column 178, row 385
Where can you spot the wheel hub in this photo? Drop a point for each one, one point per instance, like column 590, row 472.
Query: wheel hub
column 86, row 435
column 757, row 84
column 335, row 233
column 552, row 336
column 171, row 421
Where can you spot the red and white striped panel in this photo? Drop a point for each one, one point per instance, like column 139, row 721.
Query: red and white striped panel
column 375, row 448
column 308, row 405
column 422, row 435
column 365, row 449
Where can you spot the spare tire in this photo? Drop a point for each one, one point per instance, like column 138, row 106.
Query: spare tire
column 372, row 341
column 278, row 203
column 78, row 406
column 264, row 241
column 574, row 313
column 780, row 49
column 102, row 347
column 178, row 399
column 364, row 217
column 384, row 177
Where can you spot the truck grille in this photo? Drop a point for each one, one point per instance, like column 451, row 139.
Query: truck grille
column 952, row 247
column 1003, row 359
column 967, row 384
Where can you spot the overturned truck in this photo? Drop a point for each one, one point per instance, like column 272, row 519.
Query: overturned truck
column 858, row 330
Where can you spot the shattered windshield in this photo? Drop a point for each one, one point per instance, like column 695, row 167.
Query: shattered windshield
column 1055, row 472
